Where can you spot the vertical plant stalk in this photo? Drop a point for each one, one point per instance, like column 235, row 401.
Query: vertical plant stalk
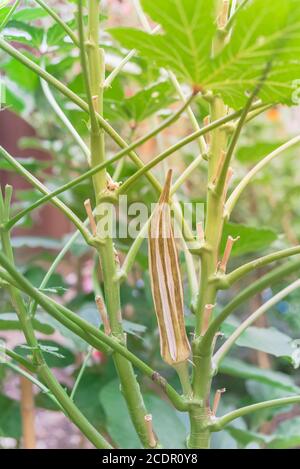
column 200, row 413
column 95, row 78
column 28, row 413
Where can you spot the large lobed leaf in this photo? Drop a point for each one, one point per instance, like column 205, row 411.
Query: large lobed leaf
column 263, row 31
column 186, row 41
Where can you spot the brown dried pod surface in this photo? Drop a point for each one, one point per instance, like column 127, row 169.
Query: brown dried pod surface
column 166, row 282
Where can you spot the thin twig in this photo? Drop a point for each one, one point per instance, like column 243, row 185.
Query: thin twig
column 103, row 314
column 89, row 211
column 217, row 399
column 151, row 436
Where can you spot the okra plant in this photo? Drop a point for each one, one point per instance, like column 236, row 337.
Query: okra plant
column 212, row 70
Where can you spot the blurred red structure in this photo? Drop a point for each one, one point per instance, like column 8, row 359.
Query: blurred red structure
column 12, row 129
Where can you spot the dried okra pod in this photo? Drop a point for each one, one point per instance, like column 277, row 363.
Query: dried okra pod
column 166, row 282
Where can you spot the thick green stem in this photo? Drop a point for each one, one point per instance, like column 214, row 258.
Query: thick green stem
column 202, row 356
column 213, row 232
column 96, row 71
column 200, row 433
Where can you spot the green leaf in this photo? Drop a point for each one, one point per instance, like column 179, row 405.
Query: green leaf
column 263, row 31
column 43, row 401
column 56, row 355
column 118, row 421
column 252, row 154
column 10, row 418
column 260, row 392
column 135, row 108
column 15, row 103
column 166, row 422
column 4, row 10
column 268, row 340
column 24, row 14
column 20, row 31
column 185, row 44
column 56, row 33
column 35, row 274
column 141, row 105
column 76, row 342
column 167, row 425
column 87, row 395
column 251, row 239
column 21, row 75
column 133, row 328
column 30, row 14
column 237, row 368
